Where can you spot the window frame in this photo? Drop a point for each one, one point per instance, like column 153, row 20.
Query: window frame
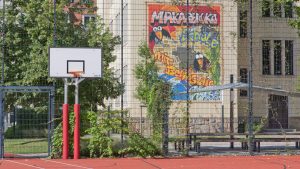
column 289, row 60
column 268, row 59
column 243, row 79
column 277, row 54
column 280, row 60
column 284, row 10
column 83, row 22
column 243, row 16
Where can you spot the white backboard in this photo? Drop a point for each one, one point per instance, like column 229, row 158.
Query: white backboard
column 63, row 61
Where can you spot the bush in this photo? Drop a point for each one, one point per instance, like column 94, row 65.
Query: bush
column 19, row 132
column 140, row 146
column 99, row 143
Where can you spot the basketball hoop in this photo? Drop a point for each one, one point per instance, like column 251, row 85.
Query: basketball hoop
column 73, row 65
column 76, row 74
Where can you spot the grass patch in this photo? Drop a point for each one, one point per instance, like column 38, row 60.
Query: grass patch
column 26, row 146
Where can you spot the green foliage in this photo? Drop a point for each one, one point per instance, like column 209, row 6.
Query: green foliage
column 213, row 55
column 29, row 33
column 29, row 123
column 295, row 22
column 152, row 91
column 140, row 146
column 100, row 143
column 57, row 139
column 19, row 132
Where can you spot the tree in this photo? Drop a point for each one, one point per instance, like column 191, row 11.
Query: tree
column 152, row 91
column 29, row 31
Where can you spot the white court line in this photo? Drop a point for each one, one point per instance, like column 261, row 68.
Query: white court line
column 24, row 164
column 78, row 166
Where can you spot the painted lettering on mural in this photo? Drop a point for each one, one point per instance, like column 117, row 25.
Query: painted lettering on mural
column 180, row 18
column 194, row 78
column 167, row 37
column 181, row 74
column 207, row 36
column 163, row 58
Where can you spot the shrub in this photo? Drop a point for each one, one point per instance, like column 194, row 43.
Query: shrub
column 140, row 146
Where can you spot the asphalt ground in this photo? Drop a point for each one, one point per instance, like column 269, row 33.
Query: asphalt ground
column 204, row 162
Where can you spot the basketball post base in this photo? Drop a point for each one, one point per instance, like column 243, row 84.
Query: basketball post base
column 65, row 131
column 77, row 131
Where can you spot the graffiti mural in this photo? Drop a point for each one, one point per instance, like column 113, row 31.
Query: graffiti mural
column 168, row 34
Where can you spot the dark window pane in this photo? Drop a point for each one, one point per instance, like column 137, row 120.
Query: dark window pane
column 277, row 57
column 289, row 56
column 243, row 79
column 243, row 23
column 277, row 8
column 243, row 75
column 266, row 57
column 266, row 10
column 88, row 19
column 288, row 9
column 243, row 92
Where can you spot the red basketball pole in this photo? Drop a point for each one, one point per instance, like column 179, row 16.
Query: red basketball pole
column 77, row 131
column 77, row 120
column 66, row 124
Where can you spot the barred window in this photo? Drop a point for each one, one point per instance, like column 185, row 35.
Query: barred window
column 277, row 8
column 288, row 9
column 243, row 79
column 243, row 23
column 289, row 56
column 277, row 57
column 266, row 57
column 266, row 8
column 86, row 19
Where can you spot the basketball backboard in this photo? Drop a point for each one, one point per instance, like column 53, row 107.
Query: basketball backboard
column 63, row 62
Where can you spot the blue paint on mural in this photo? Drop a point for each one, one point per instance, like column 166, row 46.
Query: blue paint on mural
column 179, row 90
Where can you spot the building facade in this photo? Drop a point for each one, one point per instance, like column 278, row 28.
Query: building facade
column 214, row 48
column 81, row 11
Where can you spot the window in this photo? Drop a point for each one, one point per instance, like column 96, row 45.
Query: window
column 266, row 57
column 289, row 56
column 243, row 79
column 288, row 9
column 277, row 8
column 266, row 9
column 243, row 23
column 87, row 1
column 277, row 57
column 283, row 54
column 86, row 19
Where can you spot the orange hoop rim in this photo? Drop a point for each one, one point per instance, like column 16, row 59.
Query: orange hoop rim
column 76, row 74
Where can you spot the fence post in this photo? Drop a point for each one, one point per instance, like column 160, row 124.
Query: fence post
column 165, row 133
column 231, row 113
column 1, row 125
column 250, row 83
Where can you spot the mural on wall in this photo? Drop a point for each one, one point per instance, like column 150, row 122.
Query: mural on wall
column 167, row 39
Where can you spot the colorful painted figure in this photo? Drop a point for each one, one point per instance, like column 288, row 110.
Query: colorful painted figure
column 201, row 63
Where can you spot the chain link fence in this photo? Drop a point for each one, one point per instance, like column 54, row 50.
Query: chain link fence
column 231, row 67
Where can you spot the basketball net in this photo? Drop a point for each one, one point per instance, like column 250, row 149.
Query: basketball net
column 76, row 74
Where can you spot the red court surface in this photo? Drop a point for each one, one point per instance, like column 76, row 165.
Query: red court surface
column 227, row 162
